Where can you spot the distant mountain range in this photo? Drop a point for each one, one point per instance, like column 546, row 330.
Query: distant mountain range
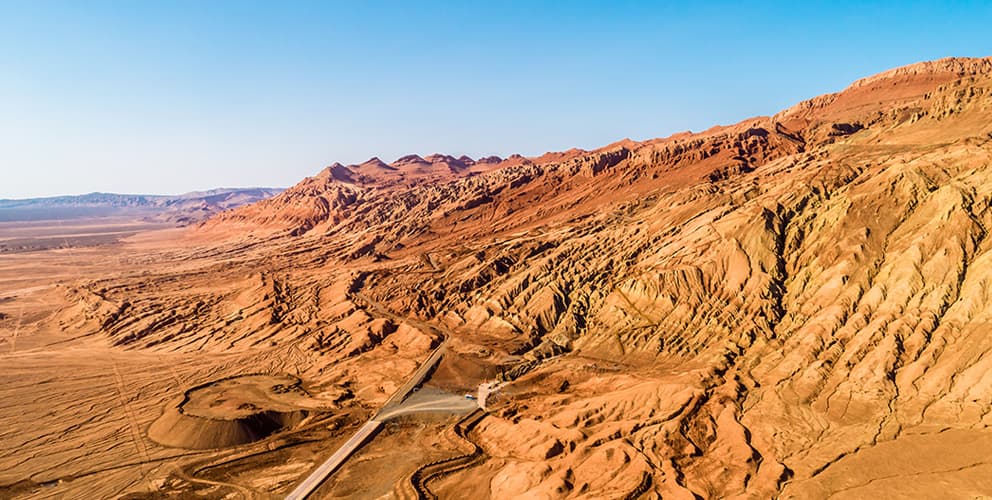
column 183, row 208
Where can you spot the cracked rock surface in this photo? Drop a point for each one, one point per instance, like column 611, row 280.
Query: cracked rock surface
column 797, row 305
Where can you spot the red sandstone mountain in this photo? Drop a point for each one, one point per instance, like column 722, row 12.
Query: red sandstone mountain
column 795, row 305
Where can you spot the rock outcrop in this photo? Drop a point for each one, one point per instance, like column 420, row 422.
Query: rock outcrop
column 779, row 307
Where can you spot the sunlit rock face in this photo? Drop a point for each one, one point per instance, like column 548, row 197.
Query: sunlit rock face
column 796, row 305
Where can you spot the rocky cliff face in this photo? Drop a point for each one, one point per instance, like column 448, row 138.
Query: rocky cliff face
column 784, row 306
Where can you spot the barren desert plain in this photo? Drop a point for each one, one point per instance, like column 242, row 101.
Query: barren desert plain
column 794, row 306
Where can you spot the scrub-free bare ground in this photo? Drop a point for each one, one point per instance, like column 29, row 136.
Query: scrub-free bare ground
column 794, row 306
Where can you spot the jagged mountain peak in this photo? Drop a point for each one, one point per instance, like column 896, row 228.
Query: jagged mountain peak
column 785, row 307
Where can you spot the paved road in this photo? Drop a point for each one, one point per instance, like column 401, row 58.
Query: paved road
column 419, row 403
column 418, row 376
column 397, row 405
column 429, row 402
column 393, row 406
column 313, row 481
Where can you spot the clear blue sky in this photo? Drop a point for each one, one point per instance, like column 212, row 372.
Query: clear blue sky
column 172, row 96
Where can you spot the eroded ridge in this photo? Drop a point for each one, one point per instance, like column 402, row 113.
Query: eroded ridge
column 773, row 308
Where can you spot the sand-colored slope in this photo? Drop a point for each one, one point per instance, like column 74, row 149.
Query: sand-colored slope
column 785, row 306
column 232, row 411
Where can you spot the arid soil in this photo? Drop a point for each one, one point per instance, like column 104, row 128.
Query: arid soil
column 795, row 306
column 32, row 236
